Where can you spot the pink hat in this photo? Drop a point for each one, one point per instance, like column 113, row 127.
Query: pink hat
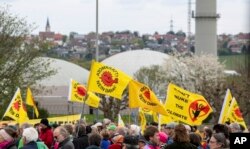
column 163, row 137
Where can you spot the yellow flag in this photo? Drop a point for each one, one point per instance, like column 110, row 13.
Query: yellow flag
column 30, row 101
column 146, row 111
column 16, row 109
column 143, row 120
column 141, row 96
column 155, row 117
column 225, row 107
column 77, row 92
column 165, row 119
column 120, row 121
column 185, row 106
column 107, row 80
column 234, row 114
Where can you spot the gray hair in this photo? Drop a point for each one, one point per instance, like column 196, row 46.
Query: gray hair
column 63, row 131
column 235, row 126
column 30, row 134
column 220, row 138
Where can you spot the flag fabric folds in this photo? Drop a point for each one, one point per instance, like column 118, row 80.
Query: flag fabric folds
column 225, row 107
column 185, row 106
column 77, row 92
column 107, row 80
column 120, row 121
column 143, row 120
column 31, row 102
column 140, row 95
column 234, row 114
column 16, row 109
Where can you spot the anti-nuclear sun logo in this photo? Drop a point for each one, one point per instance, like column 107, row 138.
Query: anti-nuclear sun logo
column 107, row 79
column 197, row 109
column 81, row 90
column 147, row 94
column 17, row 105
column 238, row 113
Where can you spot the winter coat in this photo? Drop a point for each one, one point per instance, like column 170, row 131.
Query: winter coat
column 81, row 142
column 46, row 135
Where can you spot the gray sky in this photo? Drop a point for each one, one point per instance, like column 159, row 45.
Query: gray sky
column 145, row 16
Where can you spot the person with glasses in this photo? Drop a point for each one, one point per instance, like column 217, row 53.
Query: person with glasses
column 61, row 136
column 218, row 141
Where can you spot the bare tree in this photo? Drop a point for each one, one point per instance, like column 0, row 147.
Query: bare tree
column 19, row 62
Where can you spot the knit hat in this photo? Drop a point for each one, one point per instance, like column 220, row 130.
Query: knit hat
column 45, row 122
column 111, row 127
column 5, row 135
column 163, row 137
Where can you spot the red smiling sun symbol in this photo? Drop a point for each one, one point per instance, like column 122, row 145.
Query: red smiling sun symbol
column 107, row 79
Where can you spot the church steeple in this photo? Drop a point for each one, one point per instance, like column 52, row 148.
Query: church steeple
column 47, row 28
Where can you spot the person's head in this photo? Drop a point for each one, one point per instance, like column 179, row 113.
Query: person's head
column 122, row 130
column 235, row 127
column 94, row 139
column 60, row 134
column 23, row 126
column 118, row 139
column 188, row 128
column 142, row 142
column 134, row 130
column 163, row 137
column 220, row 128
column 111, row 128
column 218, row 140
column 208, row 133
column 151, row 134
column 105, row 134
column 7, row 134
column 170, row 129
column 69, row 128
column 180, row 134
column 131, row 142
column 80, row 129
column 29, row 134
column 195, row 139
column 44, row 123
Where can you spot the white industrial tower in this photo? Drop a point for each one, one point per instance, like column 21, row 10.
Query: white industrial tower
column 206, row 27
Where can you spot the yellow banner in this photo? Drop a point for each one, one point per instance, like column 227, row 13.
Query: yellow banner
column 225, row 107
column 30, row 101
column 107, row 80
column 16, row 109
column 185, row 106
column 141, row 96
column 77, row 92
column 234, row 114
column 72, row 119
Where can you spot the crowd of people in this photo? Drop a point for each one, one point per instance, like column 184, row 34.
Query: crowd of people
column 107, row 135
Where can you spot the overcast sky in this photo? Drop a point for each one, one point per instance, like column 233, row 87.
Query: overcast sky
column 145, row 16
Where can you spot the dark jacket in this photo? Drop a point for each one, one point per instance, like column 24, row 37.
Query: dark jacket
column 12, row 145
column 81, row 142
column 93, row 147
column 66, row 144
column 180, row 145
column 30, row 145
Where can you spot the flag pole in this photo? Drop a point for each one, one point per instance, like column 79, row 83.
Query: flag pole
column 83, row 107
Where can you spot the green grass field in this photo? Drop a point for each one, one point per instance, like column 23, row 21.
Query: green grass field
column 235, row 62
